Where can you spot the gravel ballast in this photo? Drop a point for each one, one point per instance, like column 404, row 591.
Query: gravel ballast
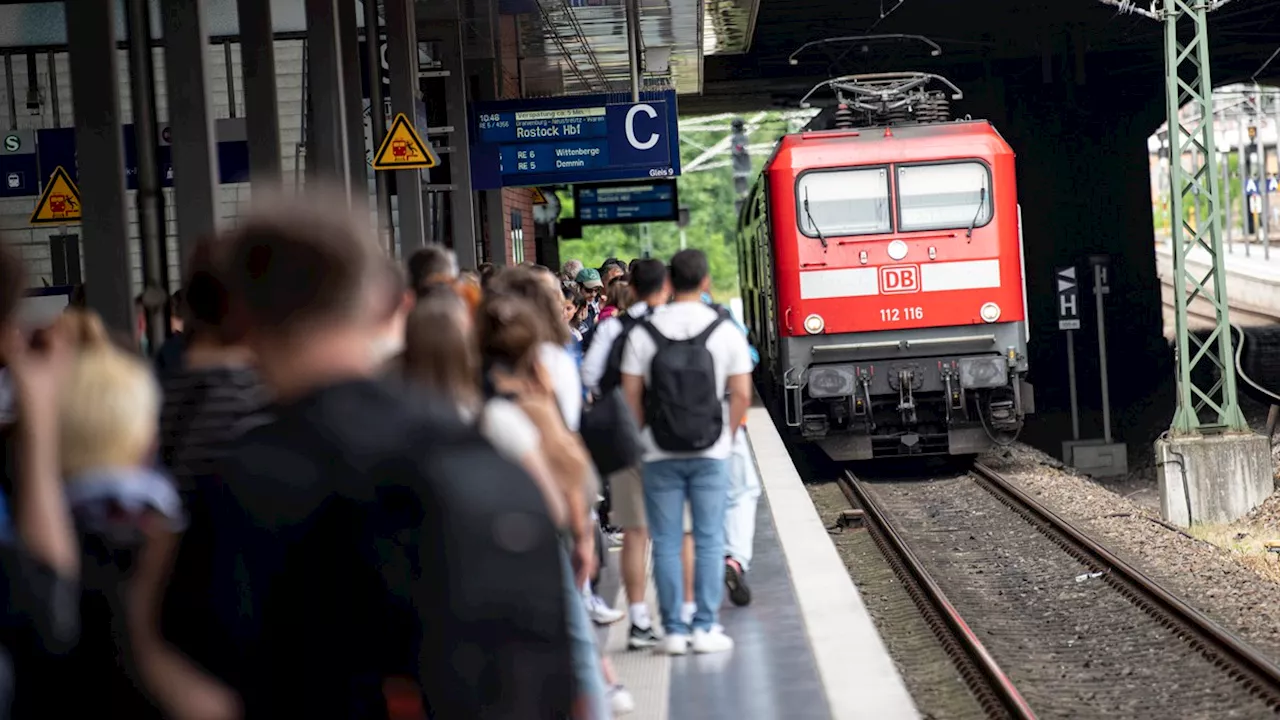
column 1238, row 597
column 928, row 672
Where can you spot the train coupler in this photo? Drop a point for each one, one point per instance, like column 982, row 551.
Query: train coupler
column 906, row 398
column 1004, row 415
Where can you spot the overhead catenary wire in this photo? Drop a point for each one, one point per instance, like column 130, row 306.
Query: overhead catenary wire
column 884, row 14
column 1254, row 77
column 724, row 143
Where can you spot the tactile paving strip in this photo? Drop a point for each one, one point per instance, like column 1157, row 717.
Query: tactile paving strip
column 645, row 673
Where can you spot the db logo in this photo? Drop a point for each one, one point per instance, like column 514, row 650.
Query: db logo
column 899, row 279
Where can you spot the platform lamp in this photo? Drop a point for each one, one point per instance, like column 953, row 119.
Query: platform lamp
column 657, row 60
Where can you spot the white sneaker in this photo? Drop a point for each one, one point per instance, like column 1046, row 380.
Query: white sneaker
column 601, row 613
column 620, row 700
column 673, row 645
column 712, row 641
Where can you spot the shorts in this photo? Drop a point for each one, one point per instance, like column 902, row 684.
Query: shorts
column 626, row 498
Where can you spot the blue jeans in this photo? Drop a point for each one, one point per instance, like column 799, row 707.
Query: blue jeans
column 582, row 647
column 704, row 483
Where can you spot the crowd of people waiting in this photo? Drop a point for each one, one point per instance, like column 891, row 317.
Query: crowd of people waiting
column 351, row 489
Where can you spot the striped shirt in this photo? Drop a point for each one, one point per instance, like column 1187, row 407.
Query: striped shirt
column 205, row 411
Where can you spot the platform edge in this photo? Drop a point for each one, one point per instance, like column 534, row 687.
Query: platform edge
column 857, row 672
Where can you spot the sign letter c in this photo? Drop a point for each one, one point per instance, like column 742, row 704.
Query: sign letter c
column 631, row 127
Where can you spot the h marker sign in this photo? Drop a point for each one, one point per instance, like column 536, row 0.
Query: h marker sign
column 1068, row 299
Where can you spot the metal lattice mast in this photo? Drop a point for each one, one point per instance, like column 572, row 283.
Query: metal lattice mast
column 1187, row 82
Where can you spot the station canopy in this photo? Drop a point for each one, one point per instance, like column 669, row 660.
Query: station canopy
column 580, row 46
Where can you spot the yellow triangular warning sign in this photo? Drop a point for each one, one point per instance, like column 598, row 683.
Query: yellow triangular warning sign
column 60, row 203
column 538, row 197
column 403, row 149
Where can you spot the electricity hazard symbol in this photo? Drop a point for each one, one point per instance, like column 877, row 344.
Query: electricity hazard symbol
column 60, row 202
column 403, row 149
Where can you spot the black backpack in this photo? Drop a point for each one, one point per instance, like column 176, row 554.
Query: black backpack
column 503, row 592
column 608, row 428
column 612, row 376
column 683, row 407
column 438, row 571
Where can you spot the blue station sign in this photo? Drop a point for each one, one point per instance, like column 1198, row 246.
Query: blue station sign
column 633, row 202
column 56, row 147
column 580, row 139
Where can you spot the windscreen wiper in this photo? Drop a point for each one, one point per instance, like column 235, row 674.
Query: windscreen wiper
column 982, row 202
column 809, row 216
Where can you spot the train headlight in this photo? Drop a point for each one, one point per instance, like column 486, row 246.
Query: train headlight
column 897, row 249
column 983, row 371
column 990, row 312
column 814, row 324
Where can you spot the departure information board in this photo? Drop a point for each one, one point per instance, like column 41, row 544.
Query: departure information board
column 567, row 140
column 631, row 202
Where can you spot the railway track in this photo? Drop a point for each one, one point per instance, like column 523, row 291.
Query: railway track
column 1042, row 621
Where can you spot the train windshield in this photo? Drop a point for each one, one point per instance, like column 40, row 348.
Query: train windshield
column 831, row 203
column 947, row 196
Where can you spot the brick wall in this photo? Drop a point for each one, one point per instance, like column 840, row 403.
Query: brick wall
column 514, row 199
column 33, row 242
column 519, row 200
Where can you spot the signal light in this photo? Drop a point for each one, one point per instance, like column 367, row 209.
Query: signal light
column 738, row 140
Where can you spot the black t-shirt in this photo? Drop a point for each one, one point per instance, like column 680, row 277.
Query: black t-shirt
column 205, row 412
column 358, row 538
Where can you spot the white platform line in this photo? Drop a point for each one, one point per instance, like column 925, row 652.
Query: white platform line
column 857, row 673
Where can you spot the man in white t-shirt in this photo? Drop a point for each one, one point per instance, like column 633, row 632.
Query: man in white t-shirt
column 700, row 477
column 601, row 373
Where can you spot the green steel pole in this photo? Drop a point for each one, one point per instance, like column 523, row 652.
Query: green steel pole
column 1204, row 404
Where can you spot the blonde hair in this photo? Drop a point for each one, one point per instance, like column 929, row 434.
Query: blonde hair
column 109, row 407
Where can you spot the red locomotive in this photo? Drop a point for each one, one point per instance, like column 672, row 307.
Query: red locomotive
column 882, row 277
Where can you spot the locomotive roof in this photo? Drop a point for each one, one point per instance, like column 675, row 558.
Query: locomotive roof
column 905, row 143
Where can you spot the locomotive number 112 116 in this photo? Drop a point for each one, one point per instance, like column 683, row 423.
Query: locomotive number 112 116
column 900, row 314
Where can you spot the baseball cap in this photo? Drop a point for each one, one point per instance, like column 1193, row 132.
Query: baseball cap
column 589, row 277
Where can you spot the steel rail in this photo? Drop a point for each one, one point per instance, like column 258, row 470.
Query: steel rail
column 1214, row 643
column 999, row 688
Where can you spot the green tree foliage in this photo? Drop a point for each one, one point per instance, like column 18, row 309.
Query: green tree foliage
column 713, row 220
column 1161, row 211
